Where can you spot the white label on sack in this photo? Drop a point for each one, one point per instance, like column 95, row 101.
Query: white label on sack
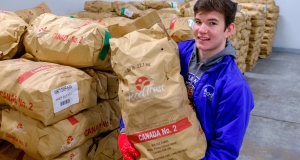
column 128, row 12
column 239, row 7
column 191, row 23
column 65, row 96
column 174, row 5
column 265, row 8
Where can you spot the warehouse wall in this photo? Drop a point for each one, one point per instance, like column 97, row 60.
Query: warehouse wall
column 286, row 39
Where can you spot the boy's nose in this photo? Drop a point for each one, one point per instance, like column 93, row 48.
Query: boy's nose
column 203, row 28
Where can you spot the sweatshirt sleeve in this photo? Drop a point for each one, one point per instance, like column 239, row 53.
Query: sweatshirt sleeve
column 231, row 121
column 122, row 126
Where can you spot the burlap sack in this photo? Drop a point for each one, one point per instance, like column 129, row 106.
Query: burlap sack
column 107, row 84
column 28, row 15
column 256, row 30
column 179, row 29
column 273, row 16
column 138, row 5
column 45, row 143
column 248, row 25
column 106, row 147
column 271, row 23
column 45, row 91
column 268, row 37
column 239, row 17
column 68, row 41
column 241, row 26
column 255, row 15
column 126, row 9
column 98, row 6
column 12, row 28
column 158, row 4
column 257, row 23
column 255, row 7
column 93, row 16
column 273, row 8
column 114, row 20
column 244, row 49
column 154, row 104
column 254, row 44
column 270, row 30
column 245, row 33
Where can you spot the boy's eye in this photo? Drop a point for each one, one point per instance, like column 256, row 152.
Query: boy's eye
column 197, row 22
column 213, row 23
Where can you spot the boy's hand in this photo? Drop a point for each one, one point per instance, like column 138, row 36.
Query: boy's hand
column 126, row 148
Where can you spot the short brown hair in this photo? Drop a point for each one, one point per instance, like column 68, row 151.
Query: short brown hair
column 226, row 7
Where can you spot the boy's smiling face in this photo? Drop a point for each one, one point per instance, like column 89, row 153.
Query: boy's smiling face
column 209, row 32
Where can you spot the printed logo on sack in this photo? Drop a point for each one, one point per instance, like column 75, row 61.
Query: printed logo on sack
column 145, row 88
column 70, row 143
column 208, row 91
column 74, row 156
column 141, row 82
column 19, row 129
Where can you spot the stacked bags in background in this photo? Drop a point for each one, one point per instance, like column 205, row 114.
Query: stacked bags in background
column 63, row 93
column 240, row 38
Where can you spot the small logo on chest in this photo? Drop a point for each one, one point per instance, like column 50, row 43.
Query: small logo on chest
column 208, row 91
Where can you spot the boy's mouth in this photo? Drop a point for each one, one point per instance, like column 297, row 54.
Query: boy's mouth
column 203, row 38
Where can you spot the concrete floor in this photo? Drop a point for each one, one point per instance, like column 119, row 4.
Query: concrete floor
column 274, row 128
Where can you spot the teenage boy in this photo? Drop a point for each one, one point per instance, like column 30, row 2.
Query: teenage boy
column 220, row 94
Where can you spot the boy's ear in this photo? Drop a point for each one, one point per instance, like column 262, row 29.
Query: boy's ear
column 229, row 30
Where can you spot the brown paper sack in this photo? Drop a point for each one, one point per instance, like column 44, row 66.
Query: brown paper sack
column 93, row 16
column 144, row 12
column 168, row 15
column 158, row 4
column 30, row 14
column 114, row 20
column 179, row 29
column 170, row 10
column 153, row 98
column 45, row 91
column 126, row 9
column 106, row 147
column 138, row 5
column 78, row 153
column 9, row 152
column 187, row 12
column 68, row 41
column 107, row 84
column 98, row 6
column 12, row 28
column 46, row 143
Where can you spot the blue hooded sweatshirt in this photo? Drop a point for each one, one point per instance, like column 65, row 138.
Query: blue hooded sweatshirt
column 222, row 99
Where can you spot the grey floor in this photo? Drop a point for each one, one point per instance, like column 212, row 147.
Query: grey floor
column 274, row 128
